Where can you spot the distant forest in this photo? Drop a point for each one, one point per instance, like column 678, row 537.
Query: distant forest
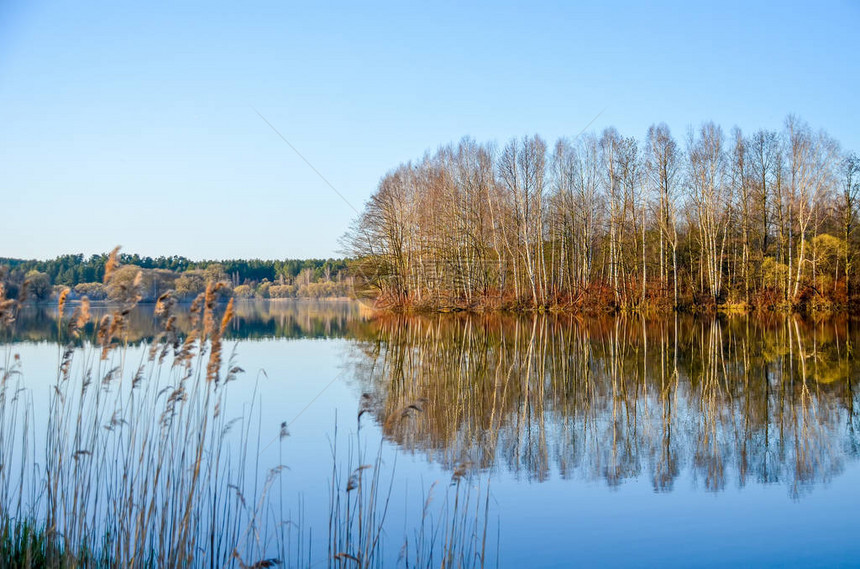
column 254, row 278
column 765, row 220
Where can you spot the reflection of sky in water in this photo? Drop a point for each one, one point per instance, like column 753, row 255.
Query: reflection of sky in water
column 572, row 420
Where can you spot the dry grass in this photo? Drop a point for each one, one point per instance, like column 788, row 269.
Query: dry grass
column 452, row 535
column 142, row 467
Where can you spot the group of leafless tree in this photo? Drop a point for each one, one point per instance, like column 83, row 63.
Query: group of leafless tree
column 608, row 221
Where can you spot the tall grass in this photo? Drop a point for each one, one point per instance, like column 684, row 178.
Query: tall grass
column 140, row 467
column 451, row 536
column 143, row 467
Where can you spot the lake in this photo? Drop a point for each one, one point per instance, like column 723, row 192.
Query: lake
column 611, row 442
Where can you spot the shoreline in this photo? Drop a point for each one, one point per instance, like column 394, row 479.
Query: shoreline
column 728, row 309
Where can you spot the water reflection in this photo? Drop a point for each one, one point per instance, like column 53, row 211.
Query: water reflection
column 728, row 401
column 724, row 401
column 253, row 320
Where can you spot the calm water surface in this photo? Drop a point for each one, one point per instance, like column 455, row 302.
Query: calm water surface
column 606, row 442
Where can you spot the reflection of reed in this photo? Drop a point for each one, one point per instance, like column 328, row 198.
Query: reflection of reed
column 612, row 399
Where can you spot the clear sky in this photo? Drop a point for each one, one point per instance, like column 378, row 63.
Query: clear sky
column 135, row 124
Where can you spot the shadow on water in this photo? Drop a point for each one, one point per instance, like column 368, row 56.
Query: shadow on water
column 729, row 401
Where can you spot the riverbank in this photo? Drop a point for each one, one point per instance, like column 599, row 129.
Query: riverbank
column 806, row 306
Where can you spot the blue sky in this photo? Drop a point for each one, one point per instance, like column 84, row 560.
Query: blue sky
column 136, row 125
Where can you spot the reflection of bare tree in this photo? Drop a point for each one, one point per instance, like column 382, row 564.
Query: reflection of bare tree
column 714, row 404
column 665, row 467
column 740, row 399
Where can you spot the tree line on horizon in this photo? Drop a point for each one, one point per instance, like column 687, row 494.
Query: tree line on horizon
column 243, row 278
column 603, row 222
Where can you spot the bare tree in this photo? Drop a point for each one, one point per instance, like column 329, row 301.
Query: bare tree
column 810, row 161
column 710, row 197
column 663, row 165
column 850, row 170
